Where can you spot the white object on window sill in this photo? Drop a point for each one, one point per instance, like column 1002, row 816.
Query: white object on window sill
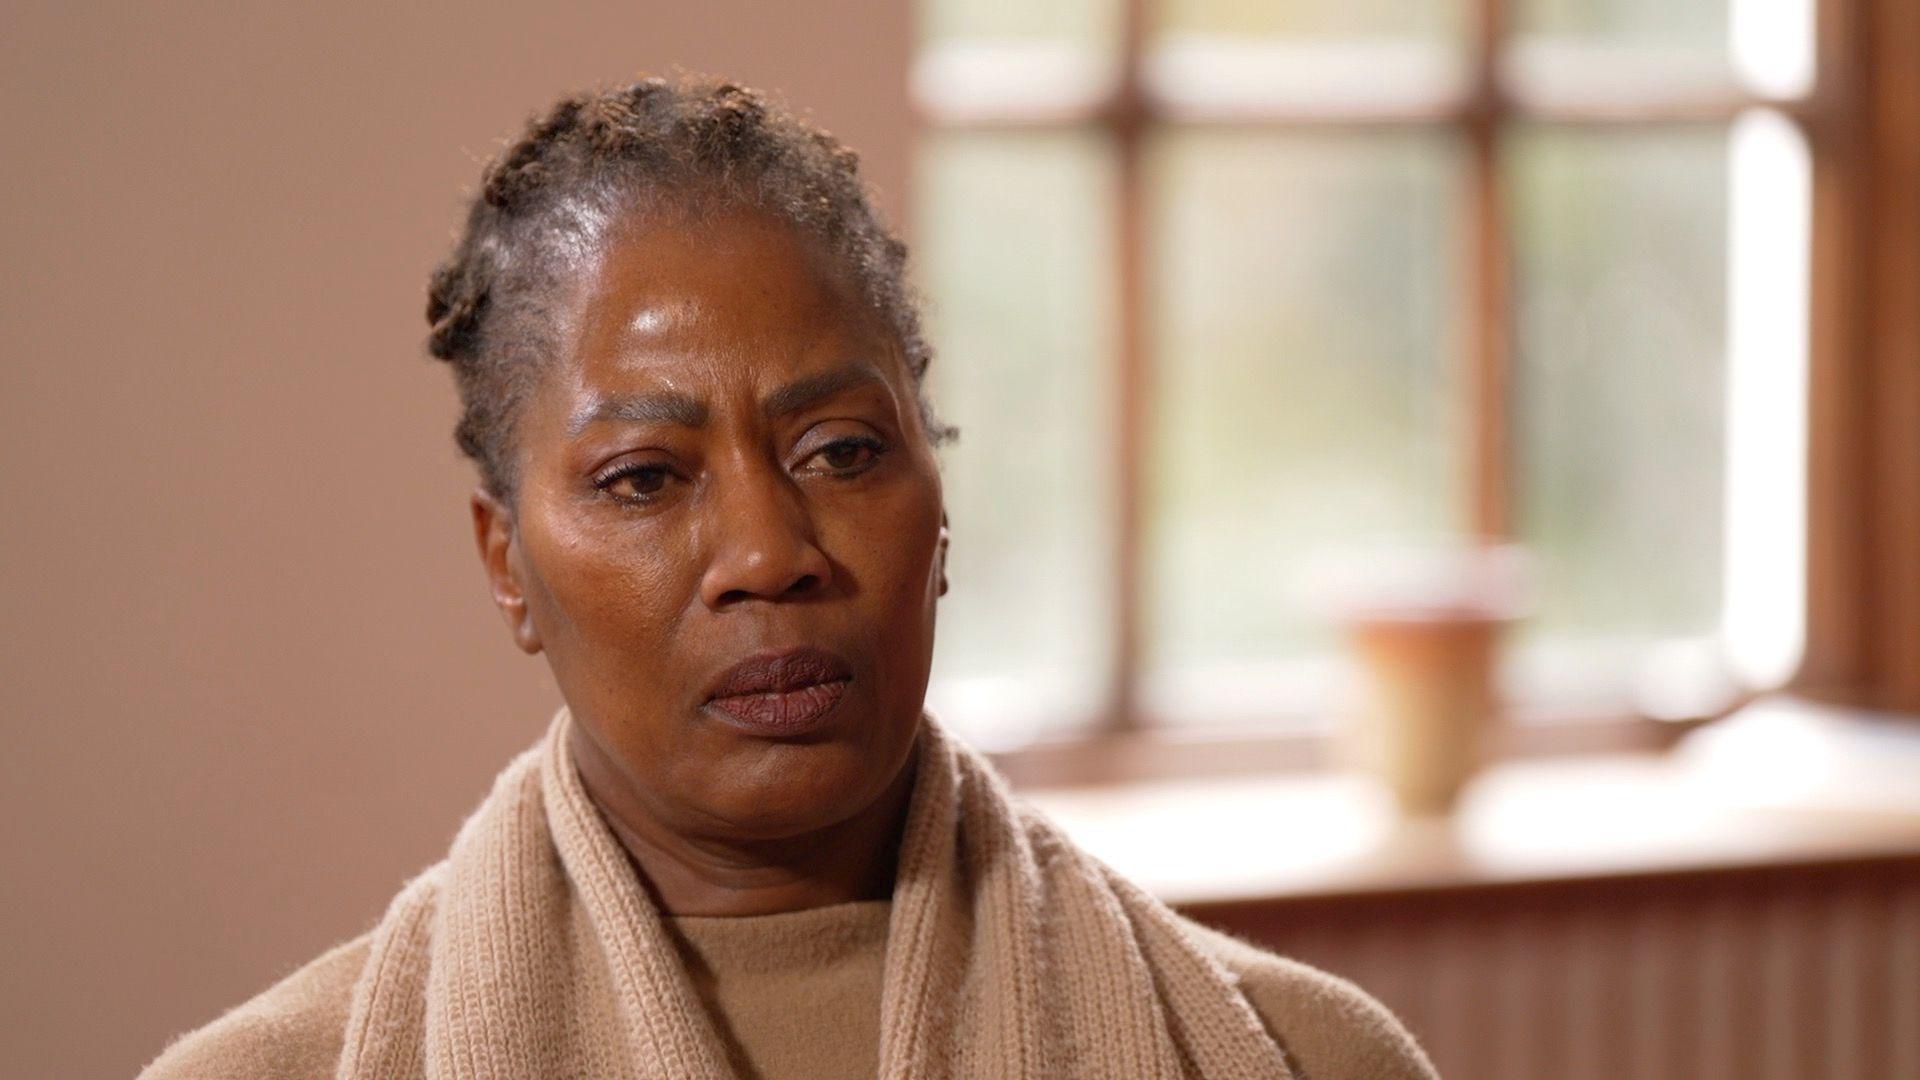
column 1805, row 757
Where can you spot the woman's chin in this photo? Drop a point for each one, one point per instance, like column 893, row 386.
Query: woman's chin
column 796, row 788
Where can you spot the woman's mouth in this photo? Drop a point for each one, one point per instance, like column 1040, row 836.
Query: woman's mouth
column 786, row 693
column 784, row 713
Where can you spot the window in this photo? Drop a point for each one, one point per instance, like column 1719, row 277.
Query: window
column 1225, row 289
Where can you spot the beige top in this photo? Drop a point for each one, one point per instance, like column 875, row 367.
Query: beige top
column 798, row 995
column 795, row 994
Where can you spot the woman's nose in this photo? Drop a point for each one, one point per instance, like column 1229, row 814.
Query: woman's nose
column 764, row 545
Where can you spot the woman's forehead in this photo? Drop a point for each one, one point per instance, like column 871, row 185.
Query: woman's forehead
column 733, row 296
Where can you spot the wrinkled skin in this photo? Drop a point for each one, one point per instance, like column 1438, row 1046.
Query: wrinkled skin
column 822, row 526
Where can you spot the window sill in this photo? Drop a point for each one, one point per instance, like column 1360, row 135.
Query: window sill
column 1169, row 752
column 1782, row 782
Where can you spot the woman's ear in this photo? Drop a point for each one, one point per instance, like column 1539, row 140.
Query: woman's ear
column 494, row 531
column 944, row 536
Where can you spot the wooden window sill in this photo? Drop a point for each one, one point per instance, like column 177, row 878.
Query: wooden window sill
column 1167, row 753
column 1781, row 782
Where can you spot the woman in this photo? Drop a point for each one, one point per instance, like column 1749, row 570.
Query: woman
column 692, row 379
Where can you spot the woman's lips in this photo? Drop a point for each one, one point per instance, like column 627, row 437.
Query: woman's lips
column 789, row 712
column 788, row 692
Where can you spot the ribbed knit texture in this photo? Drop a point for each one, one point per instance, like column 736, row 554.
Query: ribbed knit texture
column 795, row 995
column 532, row 950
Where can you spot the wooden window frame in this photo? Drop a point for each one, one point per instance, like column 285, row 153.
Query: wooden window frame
column 1861, row 120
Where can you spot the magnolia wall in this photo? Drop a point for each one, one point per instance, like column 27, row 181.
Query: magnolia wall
column 251, row 680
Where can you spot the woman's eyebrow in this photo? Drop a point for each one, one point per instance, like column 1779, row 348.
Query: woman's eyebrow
column 659, row 407
column 812, row 389
column 673, row 407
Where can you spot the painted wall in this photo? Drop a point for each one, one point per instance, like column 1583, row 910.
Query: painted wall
column 251, row 680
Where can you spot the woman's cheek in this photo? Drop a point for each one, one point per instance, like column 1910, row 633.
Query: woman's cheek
column 630, row 560
column 605, row 587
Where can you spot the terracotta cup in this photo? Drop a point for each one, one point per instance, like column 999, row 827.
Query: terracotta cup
column 1428, row 702
column 1425, row 625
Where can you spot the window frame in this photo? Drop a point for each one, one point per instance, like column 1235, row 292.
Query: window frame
column 1863, row 590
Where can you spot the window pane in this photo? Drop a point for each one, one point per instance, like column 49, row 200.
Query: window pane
column 1579, row 51
column 1014, row 247
column 1094, row 22
column 1300, row 395
column 1008, row 56
column 1319, row 57
column 1312, row 18
column 1621, row 388
column 1695, row 25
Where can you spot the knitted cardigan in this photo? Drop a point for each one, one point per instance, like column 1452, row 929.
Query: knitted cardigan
column 532, row 949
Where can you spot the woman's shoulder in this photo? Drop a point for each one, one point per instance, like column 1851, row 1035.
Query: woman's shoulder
column 1330, row 1028
column 298, row 1026
column 294, row 1028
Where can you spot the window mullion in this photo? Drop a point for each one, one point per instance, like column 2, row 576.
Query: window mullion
column 1487, row 353
column 1127, row 120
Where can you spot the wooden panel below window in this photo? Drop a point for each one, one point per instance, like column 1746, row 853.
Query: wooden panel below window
column 1787, row 973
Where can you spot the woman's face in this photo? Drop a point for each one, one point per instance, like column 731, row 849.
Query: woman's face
column 725, row 465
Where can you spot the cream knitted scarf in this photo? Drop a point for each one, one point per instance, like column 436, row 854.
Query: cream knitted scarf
column 532, row 950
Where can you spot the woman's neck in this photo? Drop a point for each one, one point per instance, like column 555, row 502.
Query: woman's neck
column 708, row 875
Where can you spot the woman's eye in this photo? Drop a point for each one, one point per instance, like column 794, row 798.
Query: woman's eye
column 634, row 483
column 848, row 456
